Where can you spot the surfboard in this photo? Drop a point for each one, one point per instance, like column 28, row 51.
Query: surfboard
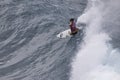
column 66, row 33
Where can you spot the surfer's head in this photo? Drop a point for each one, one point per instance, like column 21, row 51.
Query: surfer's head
column 72, row 19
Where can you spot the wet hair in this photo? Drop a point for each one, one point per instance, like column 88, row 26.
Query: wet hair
column 72, row 19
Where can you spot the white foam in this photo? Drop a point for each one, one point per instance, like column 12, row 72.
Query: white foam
column 88, row 63
column 102, row 73
column 90, row 56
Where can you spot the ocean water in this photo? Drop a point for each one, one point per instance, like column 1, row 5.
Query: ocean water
column 30, row 50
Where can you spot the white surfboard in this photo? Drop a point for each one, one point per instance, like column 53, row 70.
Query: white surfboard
column 66, row 33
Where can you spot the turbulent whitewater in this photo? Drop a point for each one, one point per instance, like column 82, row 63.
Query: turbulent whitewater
column 98, row 57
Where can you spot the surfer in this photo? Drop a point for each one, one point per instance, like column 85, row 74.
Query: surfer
column 73, row 26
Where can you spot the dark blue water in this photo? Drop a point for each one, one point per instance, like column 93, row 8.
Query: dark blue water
column 29, row 48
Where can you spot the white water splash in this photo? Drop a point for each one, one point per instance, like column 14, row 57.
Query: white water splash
column 89, row 61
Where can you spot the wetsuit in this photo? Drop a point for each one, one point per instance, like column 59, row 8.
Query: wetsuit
column 73, row 27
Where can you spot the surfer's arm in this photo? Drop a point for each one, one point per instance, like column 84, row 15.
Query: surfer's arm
column 70, row 23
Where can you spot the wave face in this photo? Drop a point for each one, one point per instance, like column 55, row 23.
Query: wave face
column 98, row 56
column 29, row 48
